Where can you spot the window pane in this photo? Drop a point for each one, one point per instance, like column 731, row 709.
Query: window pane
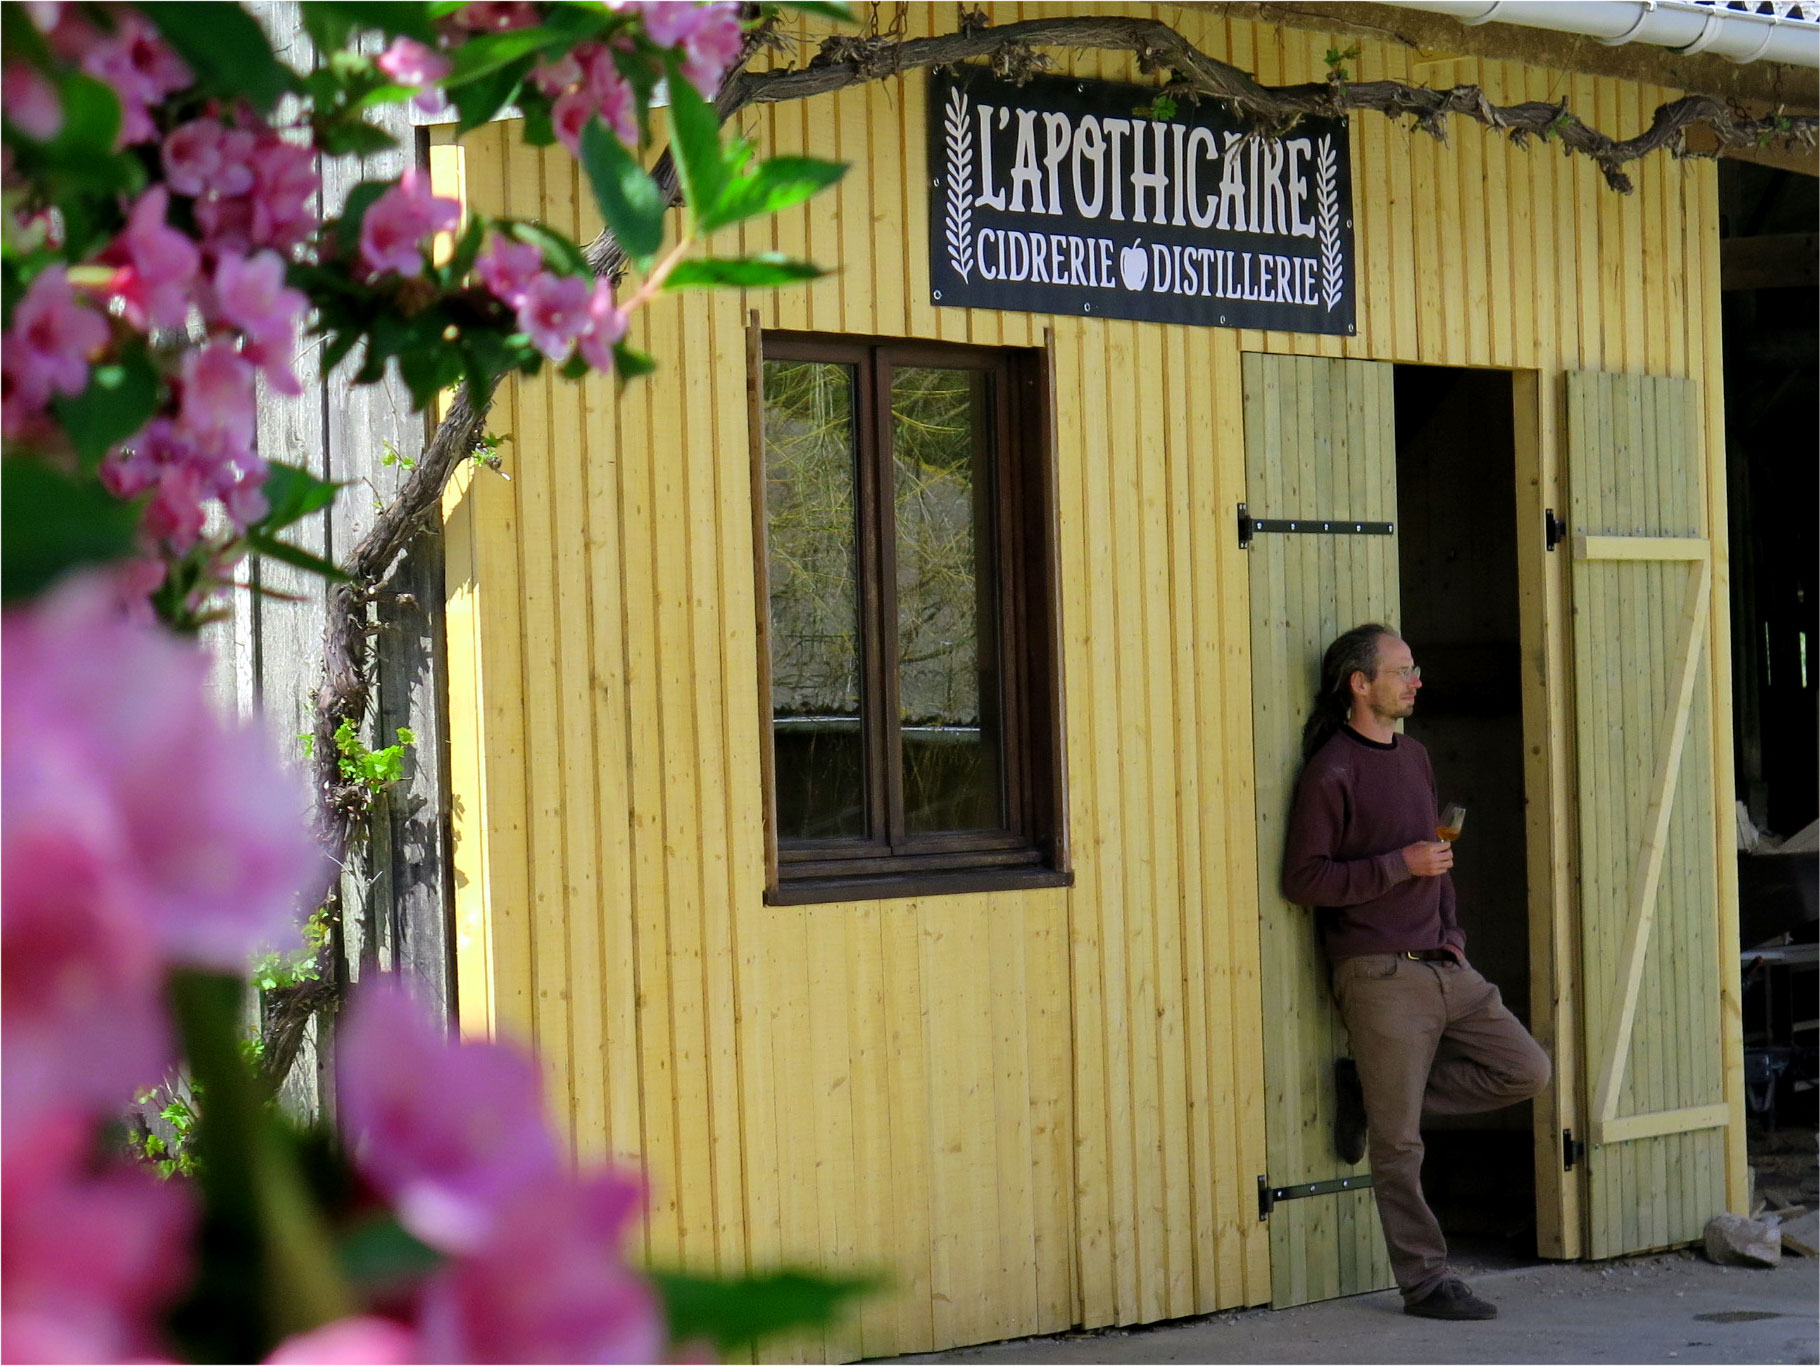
column 815, row 643
column 947, row 684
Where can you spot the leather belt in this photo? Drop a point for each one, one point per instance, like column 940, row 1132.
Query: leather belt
column 1427, row 955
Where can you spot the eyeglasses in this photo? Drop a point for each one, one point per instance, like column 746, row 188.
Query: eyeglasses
column 1409, row 675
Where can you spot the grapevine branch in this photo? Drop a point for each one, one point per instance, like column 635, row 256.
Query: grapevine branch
column 843, row 61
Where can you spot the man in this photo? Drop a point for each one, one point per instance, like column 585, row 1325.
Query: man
column 1429, row 1034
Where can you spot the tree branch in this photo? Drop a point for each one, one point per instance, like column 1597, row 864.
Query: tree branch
column 844, row 61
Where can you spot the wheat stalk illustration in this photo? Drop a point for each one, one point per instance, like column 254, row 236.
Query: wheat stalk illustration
column 1327, row 203
column 959, row 128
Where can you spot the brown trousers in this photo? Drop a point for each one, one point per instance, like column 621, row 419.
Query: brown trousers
column 1428, row 1038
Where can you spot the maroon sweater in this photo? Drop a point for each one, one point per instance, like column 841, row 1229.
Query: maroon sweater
column 1357, row 805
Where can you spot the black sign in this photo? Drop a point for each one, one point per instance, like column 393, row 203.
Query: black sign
column 1068, row 196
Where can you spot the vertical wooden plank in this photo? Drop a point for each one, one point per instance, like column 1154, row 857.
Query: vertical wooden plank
column 1465, row 197
column 1245, row 1245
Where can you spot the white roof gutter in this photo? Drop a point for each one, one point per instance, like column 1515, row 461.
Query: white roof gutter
column 1789, row 33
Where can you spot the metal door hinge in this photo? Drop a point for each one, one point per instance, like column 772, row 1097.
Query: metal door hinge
column 1573, row 1151
column 1554, row 530
column 1270, row 1196
column 1250, row 526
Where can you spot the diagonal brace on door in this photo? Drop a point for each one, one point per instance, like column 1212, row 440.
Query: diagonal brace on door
column 1646, row 880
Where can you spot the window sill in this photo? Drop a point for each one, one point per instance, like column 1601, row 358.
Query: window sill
column 895, row 886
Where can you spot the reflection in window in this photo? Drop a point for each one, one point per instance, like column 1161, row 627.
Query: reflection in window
column 815, row 643
column 947, row 703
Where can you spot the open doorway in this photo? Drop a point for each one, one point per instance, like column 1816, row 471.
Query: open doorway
column 1456, row 502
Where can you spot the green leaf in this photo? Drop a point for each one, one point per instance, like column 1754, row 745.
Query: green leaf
column 479, row 100
column 291, row 494
column 467, row 248
column 629, row 363
column 629, row 199
column 559, row 252
column 494, row 52
column 226, row 49
column 728, row 1313
column 775, row 184
column 353, row 138
column 118, row 401
column 297, row 558
column 742, row 272
column 50, row 523
column 393, row 20
column 820, row 9
column 379, row 1255
column 695, row 139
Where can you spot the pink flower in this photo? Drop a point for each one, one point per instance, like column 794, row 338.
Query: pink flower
column 554, row 313
column 161, row 264
column 84, row 1019
column 569, row 114
column 192, row 156
column 507, row 268
column 606, row 325
column 31, row 102
column 611, row 94
column 395, row 225
column 175, row 517
column 132, row 59
column 549, row 1284
column 250, row 293
column 497, row 16
column 284, row 188
column 55, row 335
column 246, row 502
column 218, row 406
column 451, row 1133
column 206, row 835
column 409, row 62
column 362, row 1341
column 91, row 1256
column 552, row 78
column 712, row 48
column 668, row 23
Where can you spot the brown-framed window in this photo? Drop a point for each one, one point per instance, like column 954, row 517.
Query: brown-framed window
column 910, row 687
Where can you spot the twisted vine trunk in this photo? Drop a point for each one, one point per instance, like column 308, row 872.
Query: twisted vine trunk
column 844, row 61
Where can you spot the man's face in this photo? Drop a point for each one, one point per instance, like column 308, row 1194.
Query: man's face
column 1391, row 695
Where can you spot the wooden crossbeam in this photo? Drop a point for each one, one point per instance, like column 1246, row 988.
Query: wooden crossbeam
column 1638, row 547
column 1647, row 877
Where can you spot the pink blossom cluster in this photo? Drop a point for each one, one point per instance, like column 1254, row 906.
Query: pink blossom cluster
column 251, row 187
column 410, row 62
column 559, row 313
column 584, row 84
column 132, row 59
column 138, row 833
column 707, row 36
column 393, row 231
column 455, row 1138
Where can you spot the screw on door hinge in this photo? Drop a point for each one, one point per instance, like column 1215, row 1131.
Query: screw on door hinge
column 1573, row 1151
column 1554, row 530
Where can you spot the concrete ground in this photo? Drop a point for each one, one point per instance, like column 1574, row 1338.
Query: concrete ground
column 1673, row 1308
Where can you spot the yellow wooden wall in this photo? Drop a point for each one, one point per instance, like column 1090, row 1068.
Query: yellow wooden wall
column 1037, row 1108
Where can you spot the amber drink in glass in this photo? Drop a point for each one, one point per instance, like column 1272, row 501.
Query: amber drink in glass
column 1451, row 820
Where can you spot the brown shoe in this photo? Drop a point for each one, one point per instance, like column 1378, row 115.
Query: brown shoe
column 1451, row 1299
column 1349, row 1113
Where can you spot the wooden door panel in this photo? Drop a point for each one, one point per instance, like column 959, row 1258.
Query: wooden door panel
column 1319, row 445
column 1641, row 579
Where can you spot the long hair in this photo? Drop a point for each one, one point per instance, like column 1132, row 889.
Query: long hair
column 1354, row 652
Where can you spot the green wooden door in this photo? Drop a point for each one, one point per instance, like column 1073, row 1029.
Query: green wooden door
column 1320, row 444
column 1649, row 890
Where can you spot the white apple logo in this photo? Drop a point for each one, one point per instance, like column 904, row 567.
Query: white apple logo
column 1134, row 265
